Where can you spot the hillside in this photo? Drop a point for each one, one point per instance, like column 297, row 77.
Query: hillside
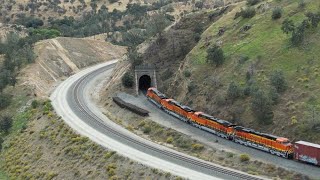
column 61, row 57
column 26, row 150
column 260, row 51
column 265, row 82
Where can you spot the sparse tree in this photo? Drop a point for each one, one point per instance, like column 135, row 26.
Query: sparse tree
column 234, row 91
column 134, row 57
column 278, row 81
column 287, row 26
column 199, row 4
column 302, row 4
column 134, row 37
column 261, row 107
column 215, row 55
column 248, row 12
column 157, row 23
column 276, row 13
column 5, row 124
column 252, row 2
column 127, row 80
column 313, row 18
column 298, row 34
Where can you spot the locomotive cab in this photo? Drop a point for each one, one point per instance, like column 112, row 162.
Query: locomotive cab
column 154, row 95
column 287, row 146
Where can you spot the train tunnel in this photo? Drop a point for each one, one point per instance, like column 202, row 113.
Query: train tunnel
column 144, row 83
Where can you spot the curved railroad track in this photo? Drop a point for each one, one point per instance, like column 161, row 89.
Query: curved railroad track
column 76, row 99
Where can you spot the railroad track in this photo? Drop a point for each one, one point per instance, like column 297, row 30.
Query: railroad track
column 94, row 121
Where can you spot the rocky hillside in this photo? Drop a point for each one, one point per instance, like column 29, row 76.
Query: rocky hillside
column 269, row 72
column 262, row 68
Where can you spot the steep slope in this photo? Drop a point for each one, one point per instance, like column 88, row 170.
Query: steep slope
column 61, row 57
column 260, row 50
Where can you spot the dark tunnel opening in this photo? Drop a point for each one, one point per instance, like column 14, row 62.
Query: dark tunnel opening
column 144, row 83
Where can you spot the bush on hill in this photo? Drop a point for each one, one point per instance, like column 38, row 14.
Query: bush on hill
column 276, row 13
column 127, row 80
column 215, row 55
column 248, row 12
column 252, row 2
column 262, row 107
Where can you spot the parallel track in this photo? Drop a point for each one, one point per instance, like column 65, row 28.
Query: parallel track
column 93, row 120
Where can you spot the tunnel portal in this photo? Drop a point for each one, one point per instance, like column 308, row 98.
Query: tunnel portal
column 144, row 83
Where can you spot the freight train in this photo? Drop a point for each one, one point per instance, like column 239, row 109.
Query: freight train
column 280, row 146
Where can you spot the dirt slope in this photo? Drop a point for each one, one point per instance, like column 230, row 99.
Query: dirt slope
column 61, row 57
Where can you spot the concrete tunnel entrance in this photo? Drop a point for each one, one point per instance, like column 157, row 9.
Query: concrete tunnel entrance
column 144, row 83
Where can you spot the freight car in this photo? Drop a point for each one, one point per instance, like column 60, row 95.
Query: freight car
column 307, row 152
column 280, row 146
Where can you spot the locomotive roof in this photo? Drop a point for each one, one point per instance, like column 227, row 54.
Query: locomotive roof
column 158, row 93
column 175, row 103
column 224, row 122
column 206, row 116
column 187, row 108
column 248, row 130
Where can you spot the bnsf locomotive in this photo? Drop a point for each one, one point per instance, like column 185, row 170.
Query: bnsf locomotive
column 279, row 146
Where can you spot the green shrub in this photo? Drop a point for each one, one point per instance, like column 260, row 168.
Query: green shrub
column 142, row 124
column 45, row 33
column 278, row 81
column 197, row 37
column 5, row 101
column 252, row 2
column 47, row 107
column 234, row 91
column 276, row 13
column 134, row 57
column 191, row 87
column 197, row 147
column 183, row 143
column 244, row 157
column 215, row 55
column 248, row 12
column 301, row 4
column 127, row 80
column 5, row 123
column 261, row 106
column 113, row 1
column 34, row 104
column 187, row 73
column 109, row 154
column 147, row 129
column 111, row 172
column 169, row 140
column 230, row 154
column 274, row 96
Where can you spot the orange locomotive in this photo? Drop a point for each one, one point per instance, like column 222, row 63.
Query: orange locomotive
column 176, row 109
column 213, row 125
column 155, row 96
column 270, row 143
column 266, row 142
